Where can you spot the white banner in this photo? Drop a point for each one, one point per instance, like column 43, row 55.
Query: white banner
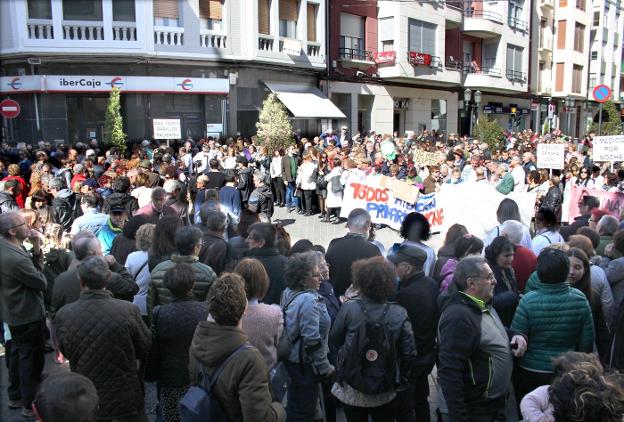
column 167, row 129
column 550, row 156
column 90, row 83
column 608, row 148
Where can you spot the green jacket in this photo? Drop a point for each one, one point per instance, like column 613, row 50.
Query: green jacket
column 21, row 285
column 531, row 283
column 556, row 318
column 506, row 185
column 604, row 241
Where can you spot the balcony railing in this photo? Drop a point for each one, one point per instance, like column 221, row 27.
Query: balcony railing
column 452, row 64
column 489, row 71
column 265, row 42
column 484, row 14
column 124, row 31
column 518, row 24
column 314, row 49
column 515, row 75
column 83, row 30
column 168, row 35
column 455, row 4
column 40, row 29
column 355, row 54
column 208, row 39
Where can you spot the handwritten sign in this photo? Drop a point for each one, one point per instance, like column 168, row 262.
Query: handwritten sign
column 424, row 158
column 608, row 148
column 404, row 191
column 550, row 156
column 167, row 129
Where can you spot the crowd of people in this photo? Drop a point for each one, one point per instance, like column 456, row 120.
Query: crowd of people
column 164, row 265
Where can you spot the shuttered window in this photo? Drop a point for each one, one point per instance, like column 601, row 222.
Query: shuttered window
column 312, row 11
column 577, row 78
column 264, row 10
column 579, row 37
column 210, row 9
column 288, row 10
column 514, row 58
column 386, row 29
column 559, row 77
column 422, row 37
column 166, row 9
column 561, row 34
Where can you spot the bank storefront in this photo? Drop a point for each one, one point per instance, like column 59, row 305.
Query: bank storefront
column 73, row 107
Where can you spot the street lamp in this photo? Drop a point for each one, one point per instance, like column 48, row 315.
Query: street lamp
column 470, row 105
column 569, row 103
column 467, row 97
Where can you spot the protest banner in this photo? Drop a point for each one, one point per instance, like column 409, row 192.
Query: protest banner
column 404, row 191
column 424, row 158
column 608, row 148
column 612, row 202
column 167, row 129
column 550, row 156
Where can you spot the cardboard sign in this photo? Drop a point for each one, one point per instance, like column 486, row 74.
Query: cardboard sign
column 608, row 148
column 404, row 191
column 167, row 129
column 424, row 158
column 550, row 156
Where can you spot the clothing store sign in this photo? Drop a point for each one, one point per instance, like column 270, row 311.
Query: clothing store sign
column 608, row 148
column 167, row 129
column 550, row 156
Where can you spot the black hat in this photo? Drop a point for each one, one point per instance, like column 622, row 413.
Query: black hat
column 411, row 254
column 115, row 209
column 242, row 159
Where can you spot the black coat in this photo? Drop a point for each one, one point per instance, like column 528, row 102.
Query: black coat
column 580, row 221
column 245, row 182
column 66, row 208
column 274, row 264
column 553, row 200
column 506, row 297
column 215, row 251
column 342, row 253
column 125, row 200
column 103, row 337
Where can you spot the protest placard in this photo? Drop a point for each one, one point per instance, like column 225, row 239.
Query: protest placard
column 424, row 158
column 167, row 129
column 404, row 191
column 550, row 156
column 608, row 148
column 612, row 202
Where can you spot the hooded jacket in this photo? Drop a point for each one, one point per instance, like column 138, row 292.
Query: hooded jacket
column 66, row 208
column 122, row 199
column 243, row 387
column 7, row 202
column 261, row 201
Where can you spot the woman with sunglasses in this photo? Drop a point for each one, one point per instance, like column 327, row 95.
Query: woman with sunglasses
column 583, row 178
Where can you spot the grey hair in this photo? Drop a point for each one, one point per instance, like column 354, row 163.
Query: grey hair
column 513, row 231
column 359, row 220
column 467, row 267
column 214, row 220
column 94, row 272
column 607, row 225
column 56, row 183
column 84, row 247
column 171, row 186
column 7, row 221
column 158, row 193
column 298, row 268
column 144, row 236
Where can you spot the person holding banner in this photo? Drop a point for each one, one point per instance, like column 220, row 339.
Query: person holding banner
column 416, row 229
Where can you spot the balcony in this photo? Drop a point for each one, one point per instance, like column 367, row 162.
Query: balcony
column 83, row 30
column 491, row 79
column 545, row 46
column 516, row 75
column 314, row 49
column 355, row 58
column 518, row 24
column 483, row 23
column 265, row 42
column 210, row 39
column 453, row 13
column 124, row 31
column 547, row 4
column 168, row 36
column 454, row 65
column 40, row 29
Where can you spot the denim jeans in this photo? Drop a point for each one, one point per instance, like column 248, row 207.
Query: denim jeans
column 291, row 200
column 29, row 341
column 303, row 391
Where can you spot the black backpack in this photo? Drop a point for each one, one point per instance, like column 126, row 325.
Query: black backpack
column 371, row 366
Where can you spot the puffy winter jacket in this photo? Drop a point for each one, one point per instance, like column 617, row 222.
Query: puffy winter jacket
column 66, row 208
column 7, row 202
column 556, row 318
column 124, row 200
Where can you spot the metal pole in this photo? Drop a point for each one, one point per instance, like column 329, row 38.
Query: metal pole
column 600, row 120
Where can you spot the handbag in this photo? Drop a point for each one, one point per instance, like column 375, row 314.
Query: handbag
column 321, row 183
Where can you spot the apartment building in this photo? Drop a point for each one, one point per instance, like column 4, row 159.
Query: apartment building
column 209, row 63
column 579, row 46
column 413, row 72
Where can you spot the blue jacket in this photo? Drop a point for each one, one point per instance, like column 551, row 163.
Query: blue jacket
column 107, row 234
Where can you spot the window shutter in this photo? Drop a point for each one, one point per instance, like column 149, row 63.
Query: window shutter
column 288, row 10
column 166, row 9
column 559, row 80
column 518, row 60
column 210, row 9
column 311, row 22
column 561, row 34
column 428, row 39
column 386, row 29
column 510, row 57
column 351, row 26
column 415, row 35
column 264, row 9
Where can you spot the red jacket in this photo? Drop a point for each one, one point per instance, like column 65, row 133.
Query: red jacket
column 524, row 264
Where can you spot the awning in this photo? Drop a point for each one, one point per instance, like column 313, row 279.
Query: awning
column 305, row 101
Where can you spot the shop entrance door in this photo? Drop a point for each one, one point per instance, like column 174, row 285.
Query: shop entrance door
column 191, row 124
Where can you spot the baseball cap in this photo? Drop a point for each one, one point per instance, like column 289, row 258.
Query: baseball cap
column 410, row 254
column 115, row 209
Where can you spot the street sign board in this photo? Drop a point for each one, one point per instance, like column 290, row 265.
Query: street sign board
column 9, row 108
column 602, row 93
column 608, row 148
column 167, row 129
column 550, row 156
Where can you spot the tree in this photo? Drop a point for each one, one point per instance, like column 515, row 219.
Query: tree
column 489, row 131
column 611, row 122
column 114, row 135
column 274, row 128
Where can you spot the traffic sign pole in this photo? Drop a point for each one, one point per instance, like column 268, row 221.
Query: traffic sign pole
column 600, row 121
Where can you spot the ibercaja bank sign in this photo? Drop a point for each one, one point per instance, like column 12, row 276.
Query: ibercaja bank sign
column 141, row 84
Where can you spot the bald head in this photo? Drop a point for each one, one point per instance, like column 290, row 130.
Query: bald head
column 85, row 246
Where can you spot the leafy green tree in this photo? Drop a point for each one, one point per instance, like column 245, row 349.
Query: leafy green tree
column 611, row 122
column 489, row 131
column 274, row 128
column 114, row 135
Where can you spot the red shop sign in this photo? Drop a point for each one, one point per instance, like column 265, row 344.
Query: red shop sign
column 384, row 57
column 416, row 58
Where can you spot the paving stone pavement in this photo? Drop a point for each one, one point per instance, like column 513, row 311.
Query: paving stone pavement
column 299, row 227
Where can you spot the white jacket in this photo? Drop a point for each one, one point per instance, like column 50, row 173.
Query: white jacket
column 275, row 169
column 306, row 176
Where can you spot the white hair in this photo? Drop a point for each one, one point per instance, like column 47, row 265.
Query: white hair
column 513, row 231
column 171, row 185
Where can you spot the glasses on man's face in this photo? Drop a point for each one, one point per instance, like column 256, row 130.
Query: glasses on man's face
column 489, row 277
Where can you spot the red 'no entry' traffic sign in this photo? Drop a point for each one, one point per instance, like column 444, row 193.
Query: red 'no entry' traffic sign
column 9, row 108
column 602, row 93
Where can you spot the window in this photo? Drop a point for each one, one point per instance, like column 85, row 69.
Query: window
column 580, row 4
column 39, row 9
column 563, row 3
column 514, row 14
column 422, row 37
column 594, row 55
column 579, row 37
column 264, row 13
column 123, row 10
column 387, row 45
column 559, row 77
column 438, row 115
column 542, row 33
column 561, row 34
column 592, row 80
column 386, row 29
column 312, row 13
column 597, row 18
column 577, row 74
column 514, row 62
column 166, row 13
column 211, row 14
column 288, row 14
column 468, row 52
column 351, row 35
column 82, row 10
column 540, row 76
